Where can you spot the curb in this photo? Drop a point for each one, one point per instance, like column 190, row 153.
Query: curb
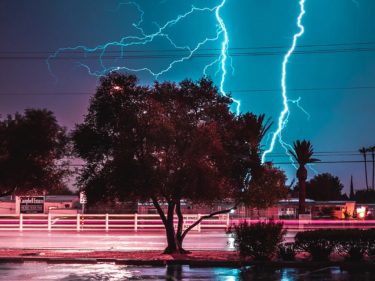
column 142, row 262
column 67, row 260
column 11, row 260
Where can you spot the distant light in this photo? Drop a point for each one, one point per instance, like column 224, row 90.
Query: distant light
column 232, row 211
column 361, row 212
column 117, row 88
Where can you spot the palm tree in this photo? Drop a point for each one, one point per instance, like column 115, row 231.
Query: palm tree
column 302, row 153
column 363, row 151
column 372, row 150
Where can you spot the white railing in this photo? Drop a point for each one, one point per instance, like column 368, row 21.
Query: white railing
column 101, row 222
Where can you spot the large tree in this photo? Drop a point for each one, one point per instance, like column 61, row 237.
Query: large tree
column 324, row 187
column 32, row 148
column 302, row 152
column 165, row 144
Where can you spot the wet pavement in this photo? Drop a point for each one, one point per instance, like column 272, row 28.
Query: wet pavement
column 124, row 241
column 128, row 241
column 112, row 272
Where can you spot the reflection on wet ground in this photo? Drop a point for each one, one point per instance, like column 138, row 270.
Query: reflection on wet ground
column 112, row 272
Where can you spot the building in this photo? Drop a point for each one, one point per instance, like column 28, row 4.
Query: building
column 11, row 204
column 286, row 209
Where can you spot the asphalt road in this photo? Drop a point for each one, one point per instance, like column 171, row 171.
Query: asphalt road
column 156, row 240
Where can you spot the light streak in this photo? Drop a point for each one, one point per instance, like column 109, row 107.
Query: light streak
column 285, row 113
column 356, row 3
column 145, row 39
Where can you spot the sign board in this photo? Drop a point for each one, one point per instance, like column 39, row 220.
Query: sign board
column 82, row 197
column 188, row 221
column 30, row 205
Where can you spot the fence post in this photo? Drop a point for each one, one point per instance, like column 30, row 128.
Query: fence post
column 227, row 221
column 77, row 222
column 21, row 221
column 135, row 222
column 49, row 221
column 106, row 222
column 199, row 224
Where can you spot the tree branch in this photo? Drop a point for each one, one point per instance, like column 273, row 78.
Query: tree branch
column 8, row 192
column 180, row 219
column 160, row 211
column 206, row 217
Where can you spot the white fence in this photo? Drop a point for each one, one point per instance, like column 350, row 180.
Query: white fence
column 102, row 222
column 135, row 222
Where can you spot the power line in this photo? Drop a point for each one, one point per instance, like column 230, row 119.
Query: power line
column 233, row 91
column 306, row 89
column 208, row 55
column 179, row 50
column 323, row 162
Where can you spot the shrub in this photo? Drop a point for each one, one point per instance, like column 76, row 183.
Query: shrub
column 370, row 217
column 352, row 244
column 319, row 243
column 258, row 240
column 370, row 236
column 287, row 251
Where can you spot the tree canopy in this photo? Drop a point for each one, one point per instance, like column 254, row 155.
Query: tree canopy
column 31, row 150
column 167, row 143
column 324, row 187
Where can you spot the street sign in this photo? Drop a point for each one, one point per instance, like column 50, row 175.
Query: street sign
column 30, row 205
column 82, row 197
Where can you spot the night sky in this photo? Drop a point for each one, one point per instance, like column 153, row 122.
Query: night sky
column 341, row 120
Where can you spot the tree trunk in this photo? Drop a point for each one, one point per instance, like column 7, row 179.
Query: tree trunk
column 302, row 196
column 174, row 239
column 373, row 170
column 366, row 170
column 174, row 246
column 302, row 177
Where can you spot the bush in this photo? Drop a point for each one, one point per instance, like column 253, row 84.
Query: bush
column 287, row 251
column 319, row 243
column 370, row 236
column 258, row 240
column 352, row 244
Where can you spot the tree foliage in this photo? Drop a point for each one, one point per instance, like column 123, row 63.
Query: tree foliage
column 31, row 148
column 324, row 187
column 166, row 143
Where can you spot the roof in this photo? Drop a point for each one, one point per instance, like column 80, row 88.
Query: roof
column 60, row 198
column 293, row 200
column 7, row 199
column 309, row 202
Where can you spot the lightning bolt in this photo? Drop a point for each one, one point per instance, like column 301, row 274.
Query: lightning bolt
column 283, row 119
column 356, row 3
column 145, row 39
column 224, row 50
